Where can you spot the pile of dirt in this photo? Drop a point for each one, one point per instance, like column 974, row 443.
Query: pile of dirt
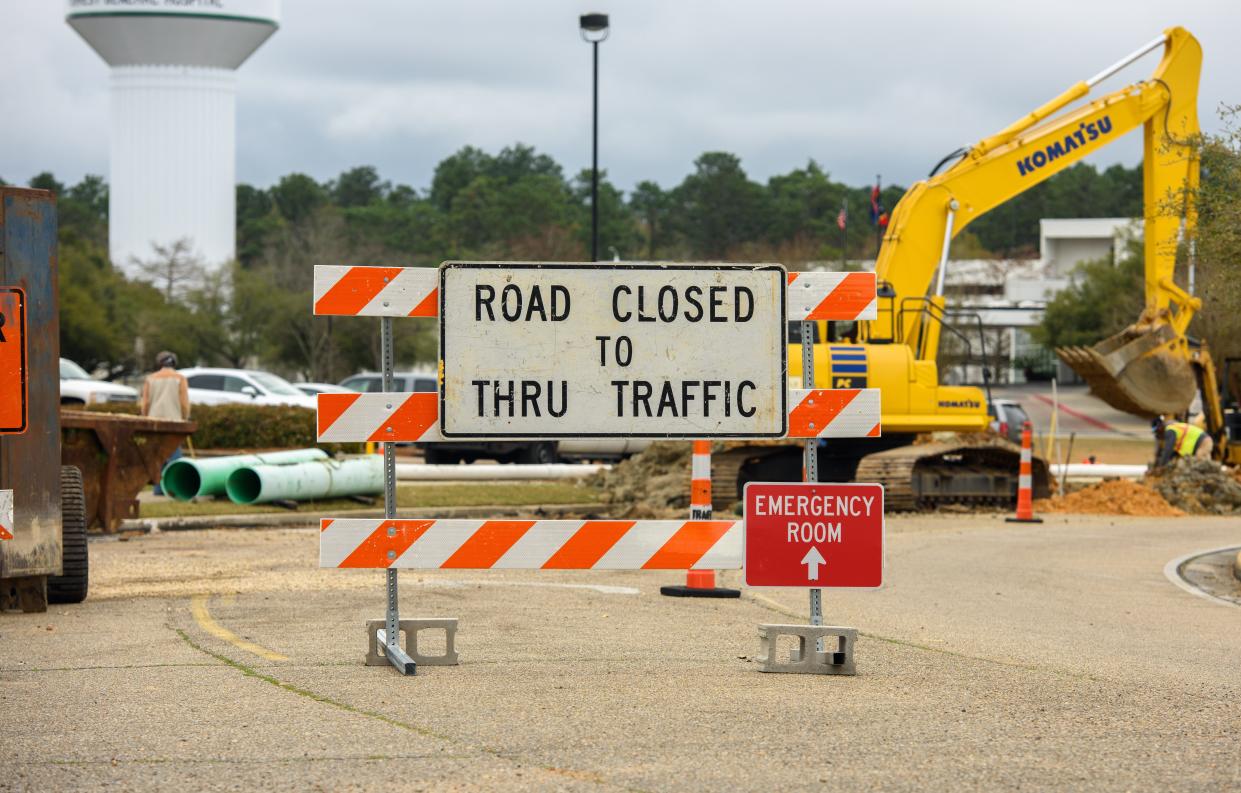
column 1111, row 497
column 1200, row 487
column 652, row 484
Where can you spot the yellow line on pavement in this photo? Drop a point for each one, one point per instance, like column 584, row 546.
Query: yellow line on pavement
column 198, row 607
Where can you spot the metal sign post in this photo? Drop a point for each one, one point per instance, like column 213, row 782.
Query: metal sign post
column 388, row 637
column 812, row 459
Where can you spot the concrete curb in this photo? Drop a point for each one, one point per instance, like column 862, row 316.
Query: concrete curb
column 302, row 520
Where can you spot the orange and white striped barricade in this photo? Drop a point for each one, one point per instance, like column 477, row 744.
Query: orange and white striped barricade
column 6, row 514
column 365, row 291
column 388, row 417
column 832, row 296
column 416, row 544
column 1025, row 481
column 378, row 417
column 348, row 291
column 413, row 418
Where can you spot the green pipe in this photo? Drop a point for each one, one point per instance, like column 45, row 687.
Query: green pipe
column 356, row 476
column 186, row 478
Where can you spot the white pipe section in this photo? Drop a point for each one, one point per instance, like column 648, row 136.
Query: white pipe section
column 943, row 254
column 1097, row 471
column 1125, row 61
column 421, row 472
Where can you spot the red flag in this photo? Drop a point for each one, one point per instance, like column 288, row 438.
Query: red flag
column 842, row 218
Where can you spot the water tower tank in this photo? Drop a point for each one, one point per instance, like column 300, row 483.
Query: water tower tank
column 173, row 117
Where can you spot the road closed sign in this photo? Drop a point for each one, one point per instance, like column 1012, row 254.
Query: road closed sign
column 13, row 386
column 808, row 534
column 612, row 350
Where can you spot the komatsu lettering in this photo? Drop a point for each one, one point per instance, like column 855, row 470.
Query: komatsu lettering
column 1085, row 133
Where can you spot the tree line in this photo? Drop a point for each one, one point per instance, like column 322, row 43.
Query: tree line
column 517, row 204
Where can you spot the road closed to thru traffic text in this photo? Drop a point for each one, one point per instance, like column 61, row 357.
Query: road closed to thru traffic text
column 632, row 350
column 813, row 535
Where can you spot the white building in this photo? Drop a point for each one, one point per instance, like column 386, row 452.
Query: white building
column 1008, row 297
column 173, row 127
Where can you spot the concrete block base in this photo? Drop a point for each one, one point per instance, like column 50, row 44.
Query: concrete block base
column 375, row 655
column 836, row 659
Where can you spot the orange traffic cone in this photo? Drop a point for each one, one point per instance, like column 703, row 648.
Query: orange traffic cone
column 700, row 583
column 1025, row 482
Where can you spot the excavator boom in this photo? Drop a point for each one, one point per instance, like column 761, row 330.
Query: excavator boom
column 1147, row 369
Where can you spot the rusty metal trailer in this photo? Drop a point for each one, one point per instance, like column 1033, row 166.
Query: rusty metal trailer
column 47, row 555
column 118, row 455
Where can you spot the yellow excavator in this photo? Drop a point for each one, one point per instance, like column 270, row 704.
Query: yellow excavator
column 1149, row 369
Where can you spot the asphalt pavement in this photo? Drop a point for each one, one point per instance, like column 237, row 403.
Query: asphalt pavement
column 1076, row 411
column 997, row 656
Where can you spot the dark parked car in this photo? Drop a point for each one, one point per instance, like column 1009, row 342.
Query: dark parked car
column 1007, row 418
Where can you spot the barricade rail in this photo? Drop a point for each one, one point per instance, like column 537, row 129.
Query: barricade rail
column 362, row 291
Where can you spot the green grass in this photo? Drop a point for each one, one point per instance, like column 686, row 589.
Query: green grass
column 429, row 496
column 1114, row 451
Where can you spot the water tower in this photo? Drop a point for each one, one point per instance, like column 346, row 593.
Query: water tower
column 173, row 126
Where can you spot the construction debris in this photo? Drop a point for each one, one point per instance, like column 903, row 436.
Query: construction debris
column 1111, row 497
column 1187, row 486
column 653, row 484
column 1199, row 487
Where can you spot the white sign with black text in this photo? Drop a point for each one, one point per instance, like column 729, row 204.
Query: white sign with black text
column 599, row 350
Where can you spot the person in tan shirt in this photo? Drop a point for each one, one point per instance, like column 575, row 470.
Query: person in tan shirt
column 166, row 395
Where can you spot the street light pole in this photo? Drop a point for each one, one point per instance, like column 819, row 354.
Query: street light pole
column 594, row 29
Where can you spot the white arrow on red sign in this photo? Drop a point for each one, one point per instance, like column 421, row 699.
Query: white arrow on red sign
column 812, row 560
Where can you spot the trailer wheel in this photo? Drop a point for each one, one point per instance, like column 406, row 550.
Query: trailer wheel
column 71, row 586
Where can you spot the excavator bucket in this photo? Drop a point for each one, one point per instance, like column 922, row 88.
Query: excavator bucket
column 1137, row 371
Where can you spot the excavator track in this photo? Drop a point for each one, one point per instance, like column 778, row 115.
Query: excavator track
column 930, row 475
column 915, row 477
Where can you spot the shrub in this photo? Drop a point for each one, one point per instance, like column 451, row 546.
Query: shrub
column 239, row 426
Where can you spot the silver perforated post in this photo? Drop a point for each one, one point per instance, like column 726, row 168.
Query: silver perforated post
column 392, row 623
column 812, row 458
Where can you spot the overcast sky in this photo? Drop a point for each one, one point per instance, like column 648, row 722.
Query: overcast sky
column 863, row 88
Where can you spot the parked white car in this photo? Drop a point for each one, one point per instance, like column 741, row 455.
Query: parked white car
column 79, row 388
column 242, row 386
column 314, row 389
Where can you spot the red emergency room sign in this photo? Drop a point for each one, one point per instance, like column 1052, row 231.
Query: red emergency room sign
column 809, row 534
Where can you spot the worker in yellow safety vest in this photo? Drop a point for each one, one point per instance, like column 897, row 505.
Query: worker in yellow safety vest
column 1182, row 439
